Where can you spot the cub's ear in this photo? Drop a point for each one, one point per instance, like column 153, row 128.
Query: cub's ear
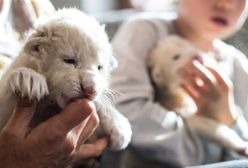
column 36, row 46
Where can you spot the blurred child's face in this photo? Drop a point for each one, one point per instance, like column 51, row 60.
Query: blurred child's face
column 213, row 18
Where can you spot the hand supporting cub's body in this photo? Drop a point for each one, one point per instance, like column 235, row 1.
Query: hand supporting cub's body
column 55, row 143
column 215, row 105
column 214, row 98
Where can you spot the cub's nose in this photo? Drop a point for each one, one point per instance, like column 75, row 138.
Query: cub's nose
column 88, row 92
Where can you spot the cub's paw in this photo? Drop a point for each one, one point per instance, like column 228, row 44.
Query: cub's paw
column 120, row 134
column 28, row 83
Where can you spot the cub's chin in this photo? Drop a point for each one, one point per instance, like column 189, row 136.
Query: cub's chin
column 63, row 100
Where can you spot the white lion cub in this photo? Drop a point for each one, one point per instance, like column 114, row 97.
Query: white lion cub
column 68, row 56
column 171, row 54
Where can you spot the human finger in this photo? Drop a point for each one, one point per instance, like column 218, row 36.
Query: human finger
column 203, row 73
column 22, row 115
column 191, row 91
column 223, row 82
column 198, row 90
column 62, row 123
column 196, row 82
column 89, row 128
column 87, row 151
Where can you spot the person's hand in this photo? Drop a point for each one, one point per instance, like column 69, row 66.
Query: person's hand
column 211, row 91
column 54, row 143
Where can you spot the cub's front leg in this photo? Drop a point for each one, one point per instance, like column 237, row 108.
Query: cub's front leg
column 24, row 81
column 116, row 126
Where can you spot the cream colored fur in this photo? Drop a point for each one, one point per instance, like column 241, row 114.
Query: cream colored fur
column 64, row 56
column 171, row 54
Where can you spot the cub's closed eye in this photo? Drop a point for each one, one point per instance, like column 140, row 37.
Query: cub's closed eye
column 176, row 57
column 69, row 61
column 100, row 67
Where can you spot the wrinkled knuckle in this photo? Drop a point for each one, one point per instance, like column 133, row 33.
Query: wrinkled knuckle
column 55, row 136
column 69, row 146
column 98, row 152
column 54, row 139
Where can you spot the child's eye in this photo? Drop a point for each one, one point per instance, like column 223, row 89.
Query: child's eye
column 176, row 57
column 100, row 67
column 70, row 61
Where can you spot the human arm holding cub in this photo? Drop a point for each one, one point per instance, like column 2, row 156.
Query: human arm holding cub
column 57, row 142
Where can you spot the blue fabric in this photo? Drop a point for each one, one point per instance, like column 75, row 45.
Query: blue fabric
column 229, row 164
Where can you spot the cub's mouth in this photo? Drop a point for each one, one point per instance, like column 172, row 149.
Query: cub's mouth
column 85, row 95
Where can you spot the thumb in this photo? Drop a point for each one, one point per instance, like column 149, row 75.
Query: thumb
column 22, row 114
